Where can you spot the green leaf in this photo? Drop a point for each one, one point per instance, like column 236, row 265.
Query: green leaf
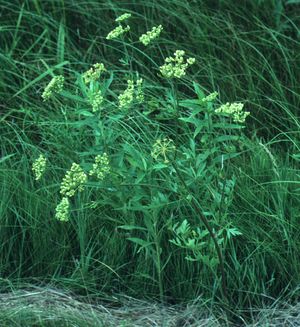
column 85, row 113
column 192, row 104
column 131, row 227
column 107, row 83
column 75, row 98
column 6, row 157
column 225, row 125
column 61, row 43
column 233, row 232
column 160, row 166
column 296, row 156
column 224, row 138
column 139, row 241
column 198, row 91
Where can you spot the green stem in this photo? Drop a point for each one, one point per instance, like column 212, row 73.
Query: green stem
column 209, row 228
column 158, row 267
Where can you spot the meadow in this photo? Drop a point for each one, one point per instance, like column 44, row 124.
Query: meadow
column 160, row 166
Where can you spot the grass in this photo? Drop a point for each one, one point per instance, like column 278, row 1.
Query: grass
column 248, row 52
column 49, row 306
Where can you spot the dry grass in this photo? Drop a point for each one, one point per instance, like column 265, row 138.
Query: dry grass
column 53, row 307
column 48, row 306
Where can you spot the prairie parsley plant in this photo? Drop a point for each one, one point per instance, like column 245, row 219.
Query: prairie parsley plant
column 175, row 67
column 151, row 35
column 235, row 110
column 62, row 210
column 94, row 73
column 55, row 86
column 101, row 167
column 39, row 167
column 73, row 181
column 162, row 148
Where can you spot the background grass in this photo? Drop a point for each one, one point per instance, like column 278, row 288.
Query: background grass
column 247, row 51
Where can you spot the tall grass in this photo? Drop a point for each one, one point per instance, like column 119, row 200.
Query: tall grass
column 247, row 52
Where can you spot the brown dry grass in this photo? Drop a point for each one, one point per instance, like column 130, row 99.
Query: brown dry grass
column 48, row 306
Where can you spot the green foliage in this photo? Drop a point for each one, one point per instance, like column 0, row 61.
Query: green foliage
column 133, row 230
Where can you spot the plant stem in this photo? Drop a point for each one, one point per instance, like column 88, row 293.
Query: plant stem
column 158, row 267
column 208, row 227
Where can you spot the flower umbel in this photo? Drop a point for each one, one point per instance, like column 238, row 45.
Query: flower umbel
column 126, row 97
column 73, row 181
column 151, row 35
column 62, row 210
column 118, row 31
column 55, row 86
column 93, row 73
column 235, row 110
column 123, row 17
column 210, row 97
column 162, row 148
column 132, row 92
column 39, row 167
column 175, row 67
column 139, row 95
column 96, row 101
column 101, row 166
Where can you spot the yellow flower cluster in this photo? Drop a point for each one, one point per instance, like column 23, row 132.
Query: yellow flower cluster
column 93, row 73
column 101, row 166
column 96, row 101
column 235, row 110
column 176, row 66
column 73, row 181
column 123, row 17
column 210, row 97
column 39, row 167
column 55, row 86
column 62, row 210
column 139, row 95
column 119, row 30
column 131, row 92
column 162, row 148
column 151, row 35
column 116, row 32
column 126, row 97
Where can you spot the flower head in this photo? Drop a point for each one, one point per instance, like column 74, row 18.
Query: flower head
column 126, row 97
column 96, row 101
column 118, row 31
column 55, row 86
column 139, row 94
column 101, row 166
column 162, row 148
column 93, row 73
column 210, row 97
column 62, row 210
column 132, row 92
column 235, row 110
column 123, row 17
column 73, row 181
column 175, row 67
column 151, row 35
column 39, row 167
